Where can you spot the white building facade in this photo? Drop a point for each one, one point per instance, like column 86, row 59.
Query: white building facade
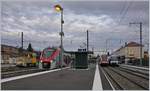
column 130, row 51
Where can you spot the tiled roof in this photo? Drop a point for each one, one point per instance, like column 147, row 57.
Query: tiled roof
column 8, row 46
column 132, row 44
column 3, row 45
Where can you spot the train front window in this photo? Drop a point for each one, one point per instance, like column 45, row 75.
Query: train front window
column 114, row 59
column 47, row 53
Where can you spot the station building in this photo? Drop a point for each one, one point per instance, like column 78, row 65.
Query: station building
column 131, row 51
column 8, row 53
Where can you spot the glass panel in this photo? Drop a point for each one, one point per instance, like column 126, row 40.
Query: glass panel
column 47, row 53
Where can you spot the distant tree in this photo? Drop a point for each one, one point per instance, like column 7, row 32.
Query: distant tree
column 30, row 49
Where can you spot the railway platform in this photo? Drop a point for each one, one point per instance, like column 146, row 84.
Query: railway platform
column 96, row 77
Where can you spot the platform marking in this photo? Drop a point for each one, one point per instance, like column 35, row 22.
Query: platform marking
column 29, row 75
column 97, row 84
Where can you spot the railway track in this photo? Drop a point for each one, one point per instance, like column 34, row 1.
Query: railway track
column 136, row 73
column 20, row 72
column 123, row 80
column 136, row 70
column 14, row 68
column 137, row 79
column 114, row 84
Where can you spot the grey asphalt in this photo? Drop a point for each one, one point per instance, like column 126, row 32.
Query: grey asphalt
column 105, row 83
column 68, row 79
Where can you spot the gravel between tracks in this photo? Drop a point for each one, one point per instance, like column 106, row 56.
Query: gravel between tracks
column 123, row 82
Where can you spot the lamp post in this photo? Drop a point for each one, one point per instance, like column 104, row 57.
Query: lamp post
column 58, row 8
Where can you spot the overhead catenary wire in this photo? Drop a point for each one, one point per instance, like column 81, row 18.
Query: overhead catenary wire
column 121, row 12
column 125, row 12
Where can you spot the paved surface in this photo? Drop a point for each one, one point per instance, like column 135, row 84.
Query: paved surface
column 67, row 79
column 105, row 83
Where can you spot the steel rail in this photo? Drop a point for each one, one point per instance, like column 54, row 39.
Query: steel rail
column 128, row 79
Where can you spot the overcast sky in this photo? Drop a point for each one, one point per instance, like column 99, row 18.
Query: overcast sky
column 105, row 20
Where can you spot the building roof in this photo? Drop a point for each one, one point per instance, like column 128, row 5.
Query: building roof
column 133, row 44
column 120, row 48
column 3, row 45
column 9, row 46
column 130, row 44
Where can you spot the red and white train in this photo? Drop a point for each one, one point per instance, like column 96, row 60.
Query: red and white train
column 103, row 61
column 50, row 58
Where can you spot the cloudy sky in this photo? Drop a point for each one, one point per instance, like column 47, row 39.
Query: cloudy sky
column 105, row 20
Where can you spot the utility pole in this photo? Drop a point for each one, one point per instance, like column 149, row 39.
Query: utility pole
column 107, row 45
column 21, row 40
column 87, row 40
column 87, row 45
column 93, row 50
column 140, row 23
